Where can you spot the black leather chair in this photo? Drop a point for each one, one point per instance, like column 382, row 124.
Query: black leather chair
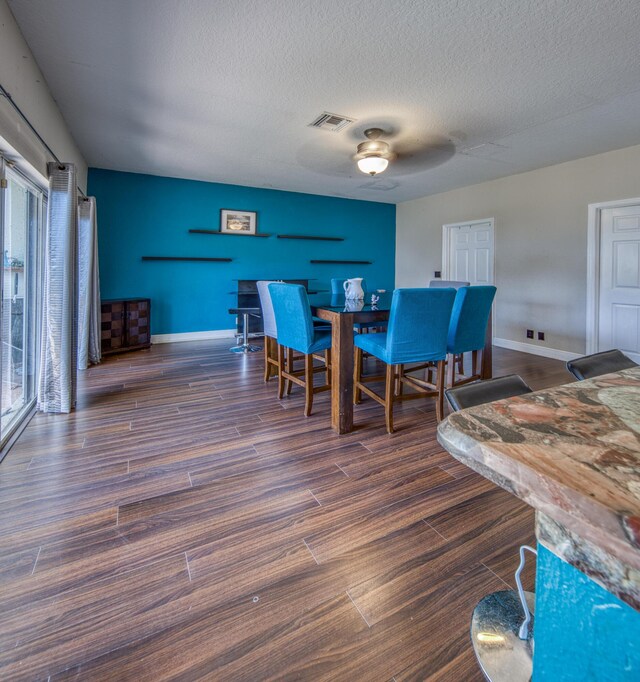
column 594, row 365
column 480, row 392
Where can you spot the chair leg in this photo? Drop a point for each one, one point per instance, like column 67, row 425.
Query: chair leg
column 474, row 363
column 281, row 385
column 357, row 376
column 399, row 386
column 308, row 384
column 289, row 369
column 429, row 375
column 451, row 367
column 267, row 366
column 440, row 388
column 327, row 362
column 482, row 363
column 270, row 353
column 388, row 397
column 460, row 363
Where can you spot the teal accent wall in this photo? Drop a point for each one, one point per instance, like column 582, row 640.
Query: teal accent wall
column 582, row 632
column 145, row 215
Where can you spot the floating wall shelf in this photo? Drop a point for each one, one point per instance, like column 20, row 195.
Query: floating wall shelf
column 228, row 234
column 310, row 237
column 349, row 262
column 196, row 258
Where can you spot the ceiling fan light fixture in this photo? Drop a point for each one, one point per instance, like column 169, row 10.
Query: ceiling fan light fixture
column 372, row 165
column 373, row 155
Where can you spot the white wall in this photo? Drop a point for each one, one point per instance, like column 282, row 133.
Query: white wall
column 22, row 78
column 541, row 240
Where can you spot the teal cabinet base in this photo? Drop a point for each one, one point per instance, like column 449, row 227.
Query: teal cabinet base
column 582, row 632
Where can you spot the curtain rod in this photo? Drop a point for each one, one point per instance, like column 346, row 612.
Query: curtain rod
column 5, row 93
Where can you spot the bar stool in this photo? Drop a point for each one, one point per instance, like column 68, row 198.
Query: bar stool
column 501, row 624
column 245, row 347
column 487, row 391
column 296, row 332
column 417, row 332
column 594, row 365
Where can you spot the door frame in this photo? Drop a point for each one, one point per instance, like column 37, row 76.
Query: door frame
column 594, row 233
column 446, row 243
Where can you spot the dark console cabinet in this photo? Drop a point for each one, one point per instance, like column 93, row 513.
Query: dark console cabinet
column 126, row 325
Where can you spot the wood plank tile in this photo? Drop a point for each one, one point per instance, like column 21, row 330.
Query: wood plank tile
column 39, row 639
column 387, row 484
column 92, row 557
column 478, row 514
column 389, row 592
column 58, row 530
column 17, row 564
column 151, row 571
column 75, row 500
column 425, row 635
column 331, row 542
column 211, row 487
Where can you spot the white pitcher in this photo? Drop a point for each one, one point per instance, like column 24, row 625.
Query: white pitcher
column 353, row 288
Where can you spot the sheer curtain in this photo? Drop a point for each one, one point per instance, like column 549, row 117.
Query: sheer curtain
column 88, row 285
column 57, row 383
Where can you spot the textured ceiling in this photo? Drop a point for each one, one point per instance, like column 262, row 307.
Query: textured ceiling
column 223, row 91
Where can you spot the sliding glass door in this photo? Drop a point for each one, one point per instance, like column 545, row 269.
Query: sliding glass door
column 21, row 217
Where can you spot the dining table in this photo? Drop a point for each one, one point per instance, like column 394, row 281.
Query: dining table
column 343, row 314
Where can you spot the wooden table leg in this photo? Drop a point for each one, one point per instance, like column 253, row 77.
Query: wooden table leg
column 342, row 373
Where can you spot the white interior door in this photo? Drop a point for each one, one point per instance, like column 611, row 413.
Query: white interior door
column 619, row 294
column 471, row 252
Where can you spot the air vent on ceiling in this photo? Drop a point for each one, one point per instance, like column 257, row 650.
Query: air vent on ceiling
column 332, row 122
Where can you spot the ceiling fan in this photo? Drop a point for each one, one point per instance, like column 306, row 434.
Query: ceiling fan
column 373, row 156
column 390, row 145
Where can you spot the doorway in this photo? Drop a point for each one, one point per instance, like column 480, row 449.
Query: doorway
column 613, row 279
column 468, row 251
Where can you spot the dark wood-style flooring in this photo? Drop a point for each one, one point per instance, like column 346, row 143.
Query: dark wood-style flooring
column 185, row 524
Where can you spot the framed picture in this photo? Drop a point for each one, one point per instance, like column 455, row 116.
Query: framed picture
column 238, row 222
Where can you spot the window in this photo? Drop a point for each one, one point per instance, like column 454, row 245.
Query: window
column 22, row 210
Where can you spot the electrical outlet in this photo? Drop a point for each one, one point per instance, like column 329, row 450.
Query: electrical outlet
column 540, row 336
column 437, row 274
column 529, row 333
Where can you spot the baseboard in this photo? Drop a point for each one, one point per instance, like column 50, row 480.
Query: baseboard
column 533, row 349
column 194, row 336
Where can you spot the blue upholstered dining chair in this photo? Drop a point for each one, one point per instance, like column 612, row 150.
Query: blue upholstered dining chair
column 455, row 284
column 468, row 328
column 417, row 333
column 270, row 330
column 296, row 332
column 447, row 283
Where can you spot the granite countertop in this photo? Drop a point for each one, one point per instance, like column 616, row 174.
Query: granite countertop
column 573, row 453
